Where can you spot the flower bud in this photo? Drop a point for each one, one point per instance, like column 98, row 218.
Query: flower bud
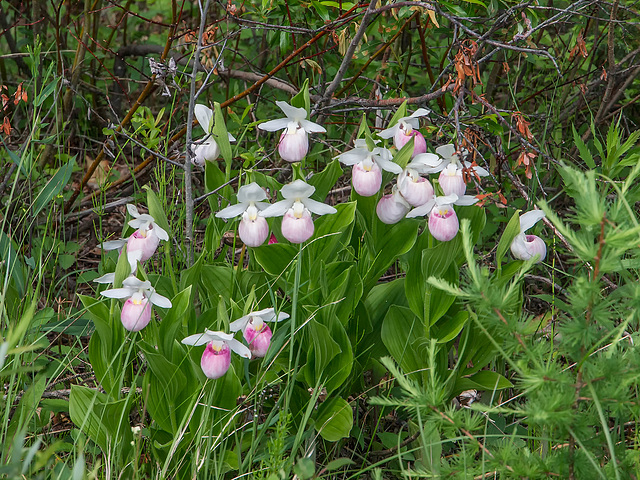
column 366, row 178
column 297, row 225
column 258, row 336
column 136, row 313
column 392, row 208
column 403, row 135
column 443, row 223
column 293, row 146
column 451, row 181
column 144, row 241
column 415, row 189
column 525, row 247
column 253, row 228
column 216, row 360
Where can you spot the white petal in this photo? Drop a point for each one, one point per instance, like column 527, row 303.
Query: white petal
column 106, row 278
column 529, row 219
column 293, row 113
column 388, row 165
column 389, row 132
column 297, row 189
column 447, row 199
column 466, row 200
column 159, row 300
column 274, row 125
column 197, row 339
column 481, row 172
column 251, row 193
column 425, row 160
column 114, row 244
column 119, row 292
column 312, row 127
column 265, row 314
column 160, row 232
column 219, row 336
column 231, row 137
column 239, row 324
column 239, row 348
column 232, row 211
column 318, row 207
column 134, row 257
column 354, row 156
column 421, row 112
column 204, row 115
column 135, row 283
column 281, row 316
column 422, row 210
column 277, row 209
column 446, row 151
column 143, row 221
column 133, row 211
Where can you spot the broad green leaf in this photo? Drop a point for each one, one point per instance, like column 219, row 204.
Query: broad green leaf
column 325, row 180
column 105, row 422
column 301, row 99
column 338, row 463
column 221, row 135
column 332, row 232
column 217, row 280
column 23, row 413
column 450, row 328
column 483, row 380
column 54, row 186
column 334, row 419
column 173, row 320
column 400, row 113
column 305, row 467
column 404, row 155
column 275, row 259
column 512, row 230
column 12, row 264
column 156, row 210
column 401, row 331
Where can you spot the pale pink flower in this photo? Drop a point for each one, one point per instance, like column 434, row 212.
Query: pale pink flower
column 206, row 150
column 526, row 247
column 393, row 207
column 405, row 129
column 255, row 331
column 253, row 228
column 443, row 221
column 294, row 142
column 216, row 357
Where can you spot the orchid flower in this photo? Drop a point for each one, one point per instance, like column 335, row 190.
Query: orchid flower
column 416, row 189
column 253, row 228
column 368, row 164
column 296, row 209
column 142, row 244
column 443, row 221
column 294, row 141
column 406, row 128
column 216, row 357
column 255, row 331
column 136, row 311
column 208, row 150
column 392, row 207
column 525, row 247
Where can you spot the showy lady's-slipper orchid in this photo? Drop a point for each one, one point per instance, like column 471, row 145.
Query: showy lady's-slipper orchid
column 393, row 207
column 136, row 311
column 406, row 128
column 526, row 247
column 216, row 357
column 443, row 221
column 255, row 331
column 416, row 189
column 366, row 174
column 294, row 141
column 253, row 228
column 207, row 150
column 296, row 209
column 142, row 243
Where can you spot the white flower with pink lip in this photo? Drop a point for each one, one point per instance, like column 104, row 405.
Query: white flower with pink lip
column 405, row 129
column 253, row 228
column 216, row 357
column 255, row 331
column 142, row 243
column 366, row 174
column 416, row 189
column 393, row 207
column 296, row 209
column 443, row 221
column 526, row 247
column 207, row 150
column 294, row 141
column 136, row 311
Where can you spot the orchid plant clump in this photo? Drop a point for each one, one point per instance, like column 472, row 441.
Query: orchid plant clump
column 207, row 149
